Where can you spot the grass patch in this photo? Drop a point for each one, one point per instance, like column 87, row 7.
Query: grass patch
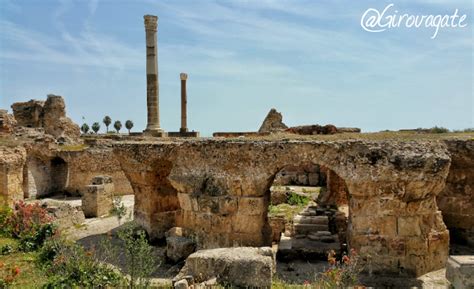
column 285, row 210
column 73, row 148
column 8, row 141
column 281, row 284
column 30, row 275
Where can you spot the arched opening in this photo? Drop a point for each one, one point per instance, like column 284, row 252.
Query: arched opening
column 308, row 214
column 59, row 175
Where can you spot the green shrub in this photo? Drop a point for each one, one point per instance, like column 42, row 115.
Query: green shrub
column 437, row 129
column 6, row 249
column 297, row 200
column 5, row 214
column 118, row 209
column 139, row 260
column 68, row 265
column 31, row 225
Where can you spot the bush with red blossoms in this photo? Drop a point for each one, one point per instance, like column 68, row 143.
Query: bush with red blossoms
column 31, row 224
column 341, row 273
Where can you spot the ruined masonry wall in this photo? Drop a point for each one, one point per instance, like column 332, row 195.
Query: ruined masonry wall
column 11, row 174
column 219, row 192
column 456, row 201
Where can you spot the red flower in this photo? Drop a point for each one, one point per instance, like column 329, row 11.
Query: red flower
column 16, row 271
column 346, row 259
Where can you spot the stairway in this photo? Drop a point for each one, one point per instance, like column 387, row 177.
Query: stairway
column 310, row 237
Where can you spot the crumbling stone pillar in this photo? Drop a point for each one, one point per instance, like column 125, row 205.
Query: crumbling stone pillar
column 152, row 84
column 98, row 199
column 184, row 101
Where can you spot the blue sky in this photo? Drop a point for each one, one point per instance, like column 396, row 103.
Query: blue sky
column 311, row 60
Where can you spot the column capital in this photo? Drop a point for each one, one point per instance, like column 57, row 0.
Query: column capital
column 151, row 22
column 183, row 76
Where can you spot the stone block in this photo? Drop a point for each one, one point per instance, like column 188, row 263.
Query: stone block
column 409, row 226
column 460, row 271
column 179, row 248
column 251, row 206
column 97, row 201
column 242, row 223
column 185, row 202
column 238, row 267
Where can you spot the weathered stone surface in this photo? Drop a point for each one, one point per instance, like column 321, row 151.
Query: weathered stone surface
column 239, row 266
column 65, row 215
column 336, row 192
column 179, row 248
column 181, row 284
column 28, row 113
column 12, row 160
column 7, row 122
column 80, row 167
column 386, row 180
column 50, row 115
column 313, row 129
column 456, row 201
column 97, row 201
column 272, row 123
column 460, row 271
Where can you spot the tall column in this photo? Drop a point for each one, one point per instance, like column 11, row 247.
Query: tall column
column 184, row 102
column 152, row 84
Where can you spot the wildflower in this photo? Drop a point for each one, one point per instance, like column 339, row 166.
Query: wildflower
column 16, row 271
column 346, row 260
column 306, row 283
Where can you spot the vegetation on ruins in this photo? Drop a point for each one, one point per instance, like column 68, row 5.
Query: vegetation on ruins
column 118, row 209
column 342, row 273
column 117, row 125
column 107, row 121
column 96, row 127
column 139, row 260
column 295, row 199
column 30, row 224
column 33, row 254
column 129, row 125
column 69, row 265
column 85, row 128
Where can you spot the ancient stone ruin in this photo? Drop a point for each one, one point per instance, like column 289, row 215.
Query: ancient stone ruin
column 403, row 204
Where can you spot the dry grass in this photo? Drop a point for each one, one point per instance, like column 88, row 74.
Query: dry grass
column 73, row 148
column 9, row 141
column 378, row 136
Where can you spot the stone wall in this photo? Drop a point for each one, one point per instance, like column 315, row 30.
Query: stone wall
column 50, row 115
column 86, row 164
column 58, row 170
column 219, row 192
column 12, row 160
column 456, row 201
column 7, row 122
column 303, row 175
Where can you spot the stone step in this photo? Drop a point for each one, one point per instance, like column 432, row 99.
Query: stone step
column 321, row 233
column 301, row 219
column 308, row 213
column 308, row 228
column 324, row 239
column 304, row 249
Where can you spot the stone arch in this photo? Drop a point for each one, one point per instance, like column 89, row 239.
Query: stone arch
column 332, row 202
column 222, row 186
column 59, row 175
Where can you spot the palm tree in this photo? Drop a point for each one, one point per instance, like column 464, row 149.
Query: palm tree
column 129, row 125
column 107, row 121
column 117, row 125
column 85, row 128
column 95, row 127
